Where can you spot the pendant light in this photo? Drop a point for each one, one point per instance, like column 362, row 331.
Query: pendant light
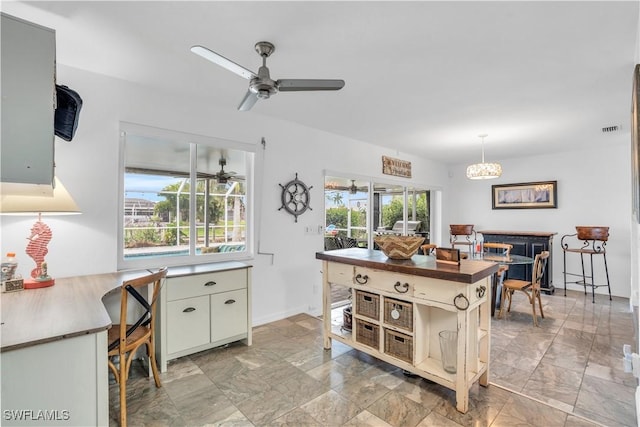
column 484, row 170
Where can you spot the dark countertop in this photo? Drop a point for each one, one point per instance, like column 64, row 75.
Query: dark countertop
column 469, row 271
column 519, row 233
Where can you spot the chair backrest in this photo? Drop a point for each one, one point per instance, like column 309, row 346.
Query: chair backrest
column 539, row 266
column 348, row 242
column 428, row 248
column 331, row 243
column 147, row 319
column 500, row 248
column 592, row 233
column 465, row 230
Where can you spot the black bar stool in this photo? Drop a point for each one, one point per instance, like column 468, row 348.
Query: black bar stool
column 594, row 242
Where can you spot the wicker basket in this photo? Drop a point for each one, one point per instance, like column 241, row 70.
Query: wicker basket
column 593, row 233
column 367, row 334
column 368, row 305
column 399, row 247
column 398, row 345
column 398, row 313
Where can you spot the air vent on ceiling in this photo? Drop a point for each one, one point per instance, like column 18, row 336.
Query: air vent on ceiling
column 609, row 129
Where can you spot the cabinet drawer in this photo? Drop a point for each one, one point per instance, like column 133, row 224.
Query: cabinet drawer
column 228, row 314
column 187, row 323
column 445, row 292
column 387, row 281
column 205, row 284
column 341, row 274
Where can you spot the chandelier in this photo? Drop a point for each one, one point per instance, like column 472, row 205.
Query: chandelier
column 484, row 170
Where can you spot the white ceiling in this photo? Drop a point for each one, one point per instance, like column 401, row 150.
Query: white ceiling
column 422, row 77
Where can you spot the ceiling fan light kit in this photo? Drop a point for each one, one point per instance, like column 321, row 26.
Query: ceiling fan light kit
column 261, row 86
column 484, row 170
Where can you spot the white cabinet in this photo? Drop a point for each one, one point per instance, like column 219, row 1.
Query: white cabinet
column 397, row 318
column 188, row 324
column 202, row 307
column 228, row 314
column 28, row 105
column 59, row 382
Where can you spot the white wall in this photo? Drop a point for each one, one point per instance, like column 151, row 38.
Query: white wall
column 286, row 283
column 593, row 189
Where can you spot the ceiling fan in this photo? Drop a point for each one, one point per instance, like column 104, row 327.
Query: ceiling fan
column 261, row 86
column 224, row 176
column 353, row 189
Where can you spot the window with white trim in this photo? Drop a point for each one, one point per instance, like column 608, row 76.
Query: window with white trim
column 165, row 220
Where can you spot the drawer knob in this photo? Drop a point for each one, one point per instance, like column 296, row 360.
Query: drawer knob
column 230, row 301
column 402, row 288
column 189, row 310
column 211, row 283
column 362, row 279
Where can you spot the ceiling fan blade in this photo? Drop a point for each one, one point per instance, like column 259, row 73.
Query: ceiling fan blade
column 216, row 58
column 248, row 101
column 293, row 85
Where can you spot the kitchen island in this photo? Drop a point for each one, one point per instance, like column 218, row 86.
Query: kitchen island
column 399, row 307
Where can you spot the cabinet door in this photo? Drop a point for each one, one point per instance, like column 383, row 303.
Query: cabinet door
column 187, row 323
column 28, row 93
column 228, row 314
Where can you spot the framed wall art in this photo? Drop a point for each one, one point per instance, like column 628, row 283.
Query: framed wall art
column 527, row 195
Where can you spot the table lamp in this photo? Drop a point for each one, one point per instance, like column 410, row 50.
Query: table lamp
column 60, row 203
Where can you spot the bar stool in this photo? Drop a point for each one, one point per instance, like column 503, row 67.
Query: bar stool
column 463, row 235
column 594, row 242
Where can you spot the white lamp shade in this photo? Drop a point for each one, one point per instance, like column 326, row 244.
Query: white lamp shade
column 60, row 203
column 484, row 171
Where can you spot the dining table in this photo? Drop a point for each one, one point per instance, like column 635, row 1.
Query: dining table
column 507, row 260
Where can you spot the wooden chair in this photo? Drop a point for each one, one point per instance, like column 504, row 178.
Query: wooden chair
column 125, row 338
column 428, row 249
column 531, row 289
column 503, row 249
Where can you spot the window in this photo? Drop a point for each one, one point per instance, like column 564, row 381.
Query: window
column 185, row 198
column 350, row 222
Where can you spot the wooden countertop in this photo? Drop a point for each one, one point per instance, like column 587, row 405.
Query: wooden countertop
column 73, row 306
column 469, row 271
column 519, row 233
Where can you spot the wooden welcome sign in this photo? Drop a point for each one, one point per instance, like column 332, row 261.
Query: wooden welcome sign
column 396, row 167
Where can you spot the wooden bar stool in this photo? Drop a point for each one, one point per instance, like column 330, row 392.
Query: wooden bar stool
column 593, row 241
column 463, row 235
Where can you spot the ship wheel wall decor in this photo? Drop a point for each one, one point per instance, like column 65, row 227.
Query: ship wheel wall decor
column 295, row 197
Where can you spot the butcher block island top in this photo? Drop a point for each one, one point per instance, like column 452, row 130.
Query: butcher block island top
column 469, row 271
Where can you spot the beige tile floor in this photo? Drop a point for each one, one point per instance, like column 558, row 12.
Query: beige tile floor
column 567, row 372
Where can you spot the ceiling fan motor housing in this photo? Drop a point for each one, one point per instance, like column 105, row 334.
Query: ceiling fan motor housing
column 262, row 85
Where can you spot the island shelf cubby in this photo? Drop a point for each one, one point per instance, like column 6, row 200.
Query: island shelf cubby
column 400, row 308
